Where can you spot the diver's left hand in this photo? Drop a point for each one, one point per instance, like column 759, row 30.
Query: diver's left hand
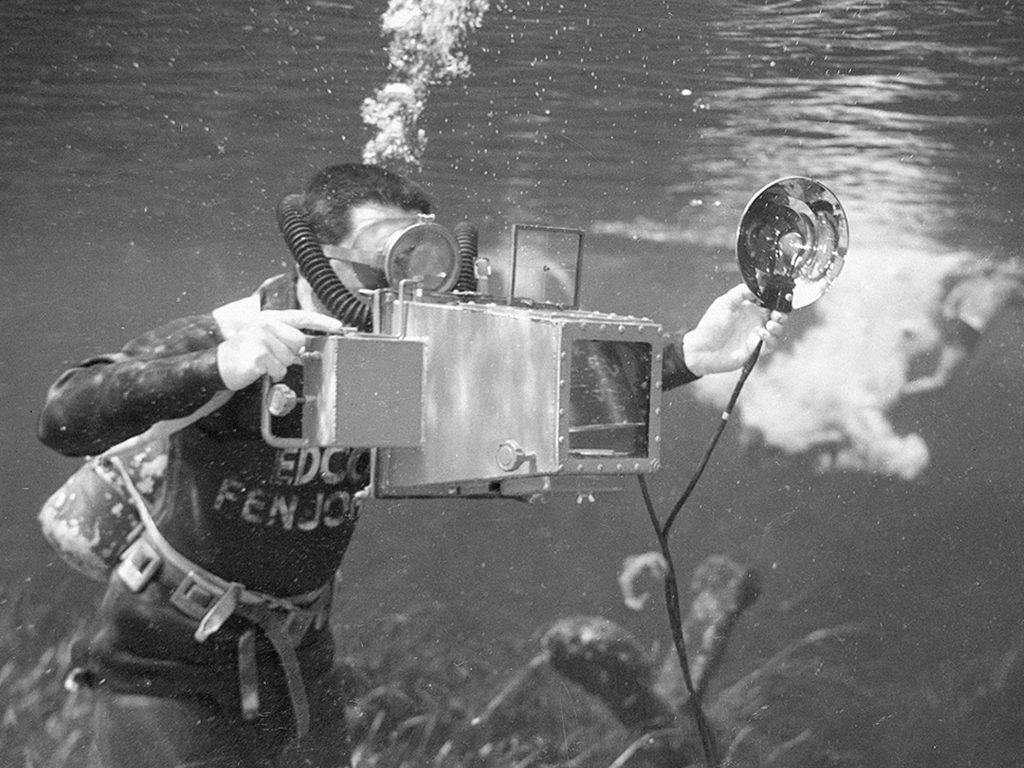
column 729, row 331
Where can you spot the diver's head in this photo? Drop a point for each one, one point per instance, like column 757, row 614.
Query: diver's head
column 335, row 191
column 376, row 229
column 353, row 257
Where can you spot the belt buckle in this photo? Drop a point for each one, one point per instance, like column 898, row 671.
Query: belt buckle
column 139, row 565
column 195, row 596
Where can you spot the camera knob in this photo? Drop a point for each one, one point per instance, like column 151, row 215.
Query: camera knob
column 281, row 400
column 511, row 455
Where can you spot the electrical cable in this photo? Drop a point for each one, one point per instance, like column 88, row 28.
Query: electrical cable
column 672, row 604
column 747, row 368
column 675, row 621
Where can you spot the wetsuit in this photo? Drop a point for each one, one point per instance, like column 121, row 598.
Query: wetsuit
column 277, row 521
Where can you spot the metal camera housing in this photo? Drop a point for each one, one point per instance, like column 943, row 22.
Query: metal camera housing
column 471, row 394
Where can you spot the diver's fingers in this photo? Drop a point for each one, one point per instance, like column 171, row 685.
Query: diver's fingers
column 248, row 355
column 274, row 355
column 266, row 346
column 738, row 295
column 306, row 320
column 289, row 327
column 283, row 338
column 769, row 333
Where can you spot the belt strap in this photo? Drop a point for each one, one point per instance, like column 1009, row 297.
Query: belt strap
column 282, row 642
column 211, row 601
column 163, row 429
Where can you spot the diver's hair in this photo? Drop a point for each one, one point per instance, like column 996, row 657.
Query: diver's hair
column 335, row 190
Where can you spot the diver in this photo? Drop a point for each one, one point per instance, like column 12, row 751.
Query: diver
column 213, row 643
column 972, row 299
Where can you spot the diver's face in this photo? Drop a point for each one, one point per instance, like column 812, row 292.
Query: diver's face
column 366, row 218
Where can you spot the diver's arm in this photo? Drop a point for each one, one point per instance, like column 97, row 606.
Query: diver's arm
column 674, row 371
column 951, row 358
column 168, row 374
column 165, row 374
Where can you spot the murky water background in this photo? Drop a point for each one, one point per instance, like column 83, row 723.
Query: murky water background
column 146, row 145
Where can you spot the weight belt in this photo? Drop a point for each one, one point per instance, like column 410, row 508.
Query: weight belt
column 211, row 601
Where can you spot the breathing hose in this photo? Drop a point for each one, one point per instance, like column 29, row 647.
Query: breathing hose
column 466, row 240
column 316, row 268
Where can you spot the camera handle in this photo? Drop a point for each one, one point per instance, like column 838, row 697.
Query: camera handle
column 280, row 400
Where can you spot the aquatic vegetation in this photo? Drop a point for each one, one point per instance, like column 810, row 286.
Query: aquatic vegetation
column 423, row 694
column 772, row 713
column 419, row 697
column 804, row 706
column 425, row 51
column 632, row 568
column 42, row 725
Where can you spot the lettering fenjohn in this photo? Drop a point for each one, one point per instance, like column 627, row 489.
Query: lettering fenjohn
column 310, row 487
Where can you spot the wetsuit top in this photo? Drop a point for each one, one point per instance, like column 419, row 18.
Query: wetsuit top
column 275, row 520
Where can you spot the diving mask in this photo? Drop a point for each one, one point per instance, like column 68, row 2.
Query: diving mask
column 387, row 252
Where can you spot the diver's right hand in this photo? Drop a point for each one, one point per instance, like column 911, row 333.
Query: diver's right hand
column 268, row 344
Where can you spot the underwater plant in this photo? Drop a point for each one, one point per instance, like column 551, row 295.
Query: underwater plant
column 425, row 696
column 42, row 725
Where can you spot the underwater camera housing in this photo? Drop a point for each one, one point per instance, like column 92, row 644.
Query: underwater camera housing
column 472, row 394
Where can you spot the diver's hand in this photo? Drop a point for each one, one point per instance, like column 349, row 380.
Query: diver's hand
column 729, row 331
column 268, row 344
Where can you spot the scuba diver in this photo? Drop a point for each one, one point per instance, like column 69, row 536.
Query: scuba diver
column 213, row 644
column 972, row 299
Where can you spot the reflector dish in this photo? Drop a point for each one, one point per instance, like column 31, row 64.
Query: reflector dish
column 791, row 242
